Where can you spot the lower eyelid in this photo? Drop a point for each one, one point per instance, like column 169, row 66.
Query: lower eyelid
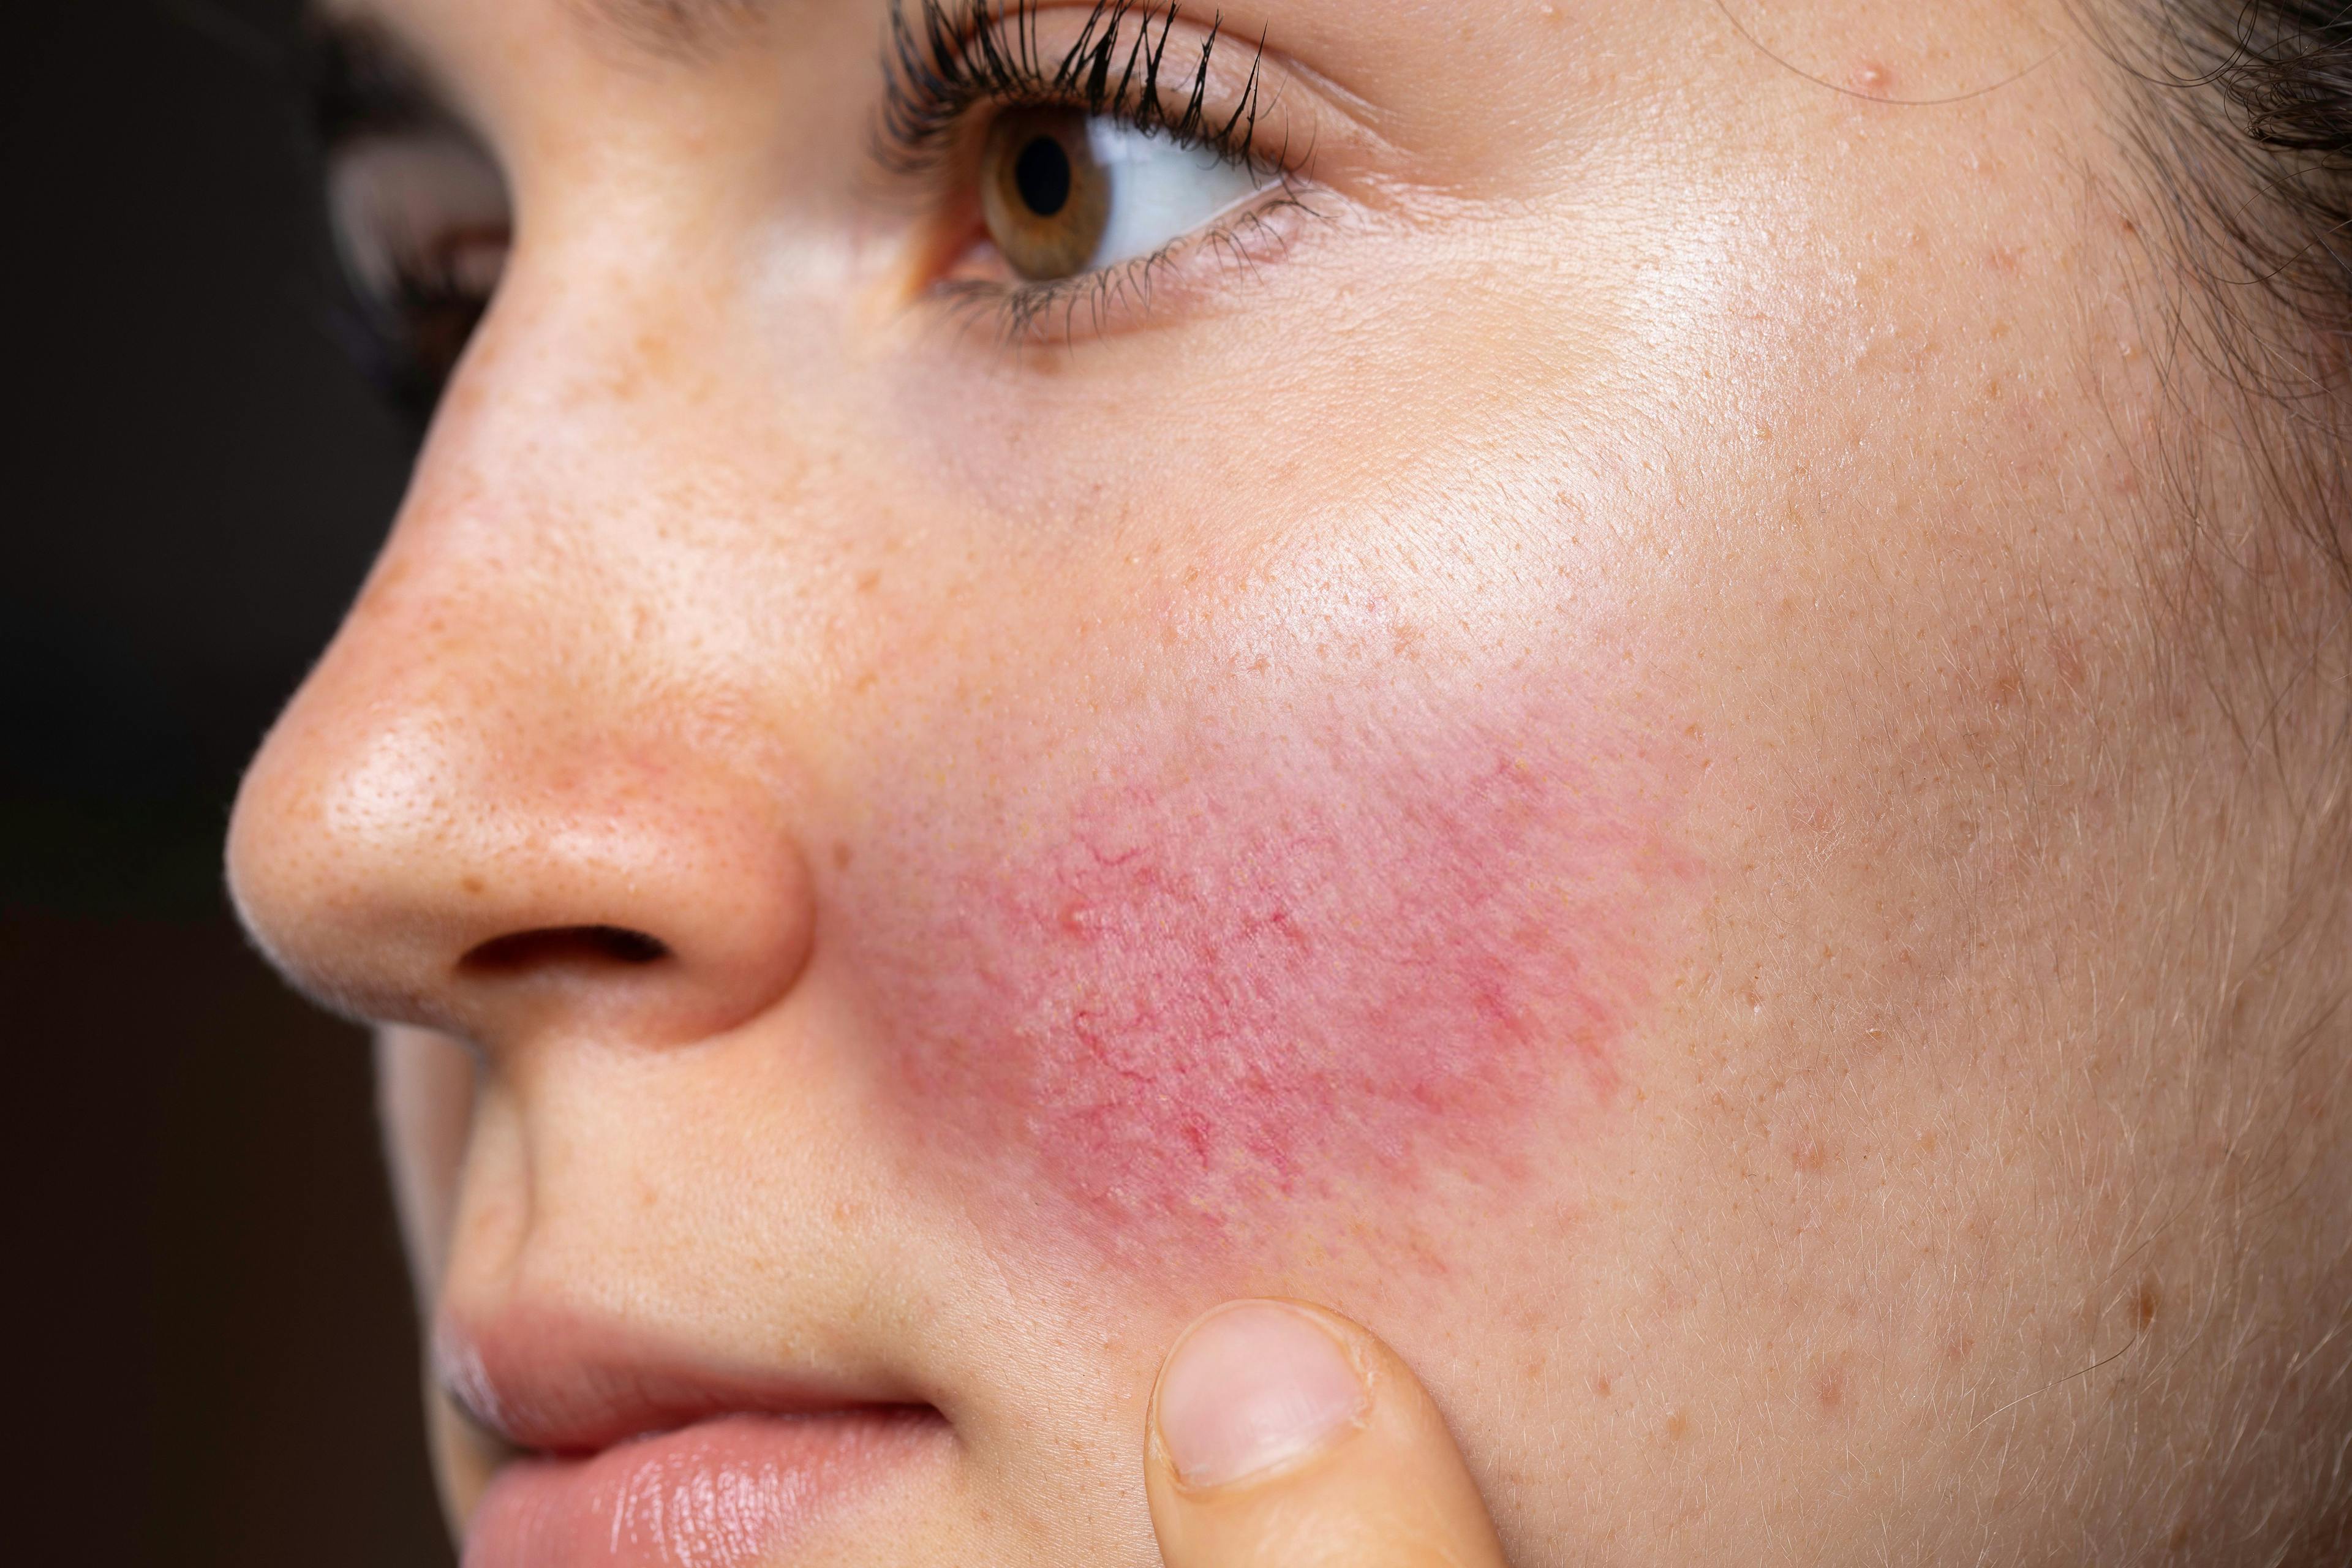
column 1142, row 223
column 1164, row 289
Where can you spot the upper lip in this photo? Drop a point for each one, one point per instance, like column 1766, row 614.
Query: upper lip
column 560, row 1381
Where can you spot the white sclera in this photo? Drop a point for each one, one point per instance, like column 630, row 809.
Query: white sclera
column 1161, row 190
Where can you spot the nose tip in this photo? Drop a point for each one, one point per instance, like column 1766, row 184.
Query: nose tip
column 446, row 870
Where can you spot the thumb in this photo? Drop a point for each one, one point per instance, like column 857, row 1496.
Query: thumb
column 1285, row 1437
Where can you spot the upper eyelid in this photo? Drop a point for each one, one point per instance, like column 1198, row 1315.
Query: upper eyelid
column 1311, row 126
column 1126, row 56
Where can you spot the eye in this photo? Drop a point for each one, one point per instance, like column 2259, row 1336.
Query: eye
column 422, row 226
column 1065, row 193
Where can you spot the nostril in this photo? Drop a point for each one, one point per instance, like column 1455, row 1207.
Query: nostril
column 565, row 946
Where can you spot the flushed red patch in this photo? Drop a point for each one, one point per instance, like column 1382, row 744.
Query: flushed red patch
column 1205, row 987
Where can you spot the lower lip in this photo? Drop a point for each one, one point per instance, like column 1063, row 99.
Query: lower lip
column 725, row 1493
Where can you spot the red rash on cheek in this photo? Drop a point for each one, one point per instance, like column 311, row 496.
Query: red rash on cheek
column 1275, row 970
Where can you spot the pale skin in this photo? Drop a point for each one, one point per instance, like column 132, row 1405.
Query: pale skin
column 1820, row 1119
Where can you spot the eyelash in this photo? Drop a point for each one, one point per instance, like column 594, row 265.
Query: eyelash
column 947, row 64
column 941, row 68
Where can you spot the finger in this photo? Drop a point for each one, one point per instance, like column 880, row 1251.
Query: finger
column 1286, row 1437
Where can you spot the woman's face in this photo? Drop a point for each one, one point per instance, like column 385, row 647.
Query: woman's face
column 1536, row 717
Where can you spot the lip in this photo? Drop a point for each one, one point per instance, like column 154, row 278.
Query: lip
column 633, row 1452
column 723, row 1493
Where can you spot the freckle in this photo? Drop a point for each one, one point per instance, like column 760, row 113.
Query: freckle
column 842, row 856
column 867, row 582
column 1829, row 1389
column 1809, row 1156
column 1600, row 1388
column 2149, row 1299
column 2066, row 658
column 474, row 885
column 1816, row 816
column 1677, row 1426
column 1926, row 1142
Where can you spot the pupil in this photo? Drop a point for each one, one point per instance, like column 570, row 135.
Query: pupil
column 1042, row 174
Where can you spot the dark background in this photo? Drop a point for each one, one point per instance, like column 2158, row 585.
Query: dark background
column 220, row 1362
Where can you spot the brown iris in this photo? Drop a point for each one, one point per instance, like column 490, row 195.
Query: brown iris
column 1046, row 199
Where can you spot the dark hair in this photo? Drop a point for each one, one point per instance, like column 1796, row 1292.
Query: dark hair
column 2240, row 114
column 2244, row 120
column 2248, row 125
column 2284, row 72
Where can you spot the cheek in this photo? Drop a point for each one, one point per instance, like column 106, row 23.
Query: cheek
column 1277, row 967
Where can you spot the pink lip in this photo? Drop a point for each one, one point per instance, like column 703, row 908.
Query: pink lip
column 723, row 1493
column 638, row 1452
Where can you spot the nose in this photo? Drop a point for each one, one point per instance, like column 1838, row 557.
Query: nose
column 515, row 798
column 506, row 871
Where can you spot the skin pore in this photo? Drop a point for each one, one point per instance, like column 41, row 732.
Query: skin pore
column 1571, row 743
